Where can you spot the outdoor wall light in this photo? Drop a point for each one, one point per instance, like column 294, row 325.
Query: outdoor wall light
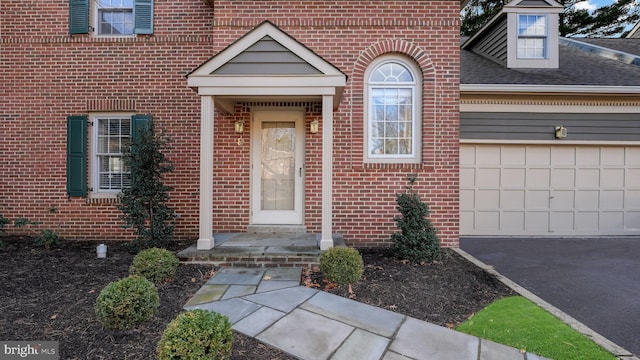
column 313, row 127
column 561, row 132
column 239, row 127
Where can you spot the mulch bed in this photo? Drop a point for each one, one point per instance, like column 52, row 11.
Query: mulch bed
column 49, row 295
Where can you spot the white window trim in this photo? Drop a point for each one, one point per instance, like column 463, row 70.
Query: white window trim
column 94, row 191
column 416, row 157
column 93, row 5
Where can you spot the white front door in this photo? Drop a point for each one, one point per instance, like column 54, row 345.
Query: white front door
column 277, row 167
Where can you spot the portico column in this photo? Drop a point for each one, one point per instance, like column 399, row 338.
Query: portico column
column 326, row 238
column 206, row 241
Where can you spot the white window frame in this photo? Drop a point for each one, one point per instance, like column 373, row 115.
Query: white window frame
column 544, row 37
column 416, row 93
column 95, row 11
column 94, row 165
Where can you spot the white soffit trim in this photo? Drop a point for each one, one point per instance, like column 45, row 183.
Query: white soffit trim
column 583, row 89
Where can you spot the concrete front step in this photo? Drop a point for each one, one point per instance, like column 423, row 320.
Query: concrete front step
column 262, row 249
column 252, row 257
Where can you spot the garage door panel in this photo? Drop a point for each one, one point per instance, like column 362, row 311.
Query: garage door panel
column 488, row 177
column 587, row 221
column 587, row 178
column 513, row 221
column 563, row 199
column 536, row 155
column 587, row 156
column 611, row 220
column 612, row 156
column 467, row 178
column 563, row 155
column 487, row 199
column 632, row 156
column 512, row 199
column 513, row 178
column 538, row 177
column 632, row 199
column 612, row 178
column 632, row 220
column 563, row 178
column 562, row 221
column 550, row 190
column 488, row 155
column 467, row 199
column 632, row 178
column 538, row 199
column 512, row 156
column 487, row 221
column 537, row 222
column 611, row 199
column 587, row 199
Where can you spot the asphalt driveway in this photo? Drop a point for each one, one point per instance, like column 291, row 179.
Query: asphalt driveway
column 596, row 281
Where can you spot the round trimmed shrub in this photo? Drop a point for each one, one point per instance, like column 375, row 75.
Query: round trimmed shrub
column 155, row 264
column 127, row 302
column 342, row 265
column 195, row 335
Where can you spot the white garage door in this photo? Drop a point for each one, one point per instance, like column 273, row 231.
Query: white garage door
column 549, row 190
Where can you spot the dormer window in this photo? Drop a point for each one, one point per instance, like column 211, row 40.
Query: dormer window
column 532, row 36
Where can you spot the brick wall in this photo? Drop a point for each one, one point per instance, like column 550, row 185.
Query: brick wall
column 48, row 75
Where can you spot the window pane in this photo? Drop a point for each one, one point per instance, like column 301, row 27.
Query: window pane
column 531, row 48
column 112, row 135
column 115, row 17
column 391, row 72
column 532, row 25
column 404, row 147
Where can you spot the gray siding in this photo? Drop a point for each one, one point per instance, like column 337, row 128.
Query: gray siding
column 540, row 126
column 493, row 44
column 266, row 57
column 534, row 3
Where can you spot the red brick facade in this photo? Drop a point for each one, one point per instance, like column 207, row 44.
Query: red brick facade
column 48, row 75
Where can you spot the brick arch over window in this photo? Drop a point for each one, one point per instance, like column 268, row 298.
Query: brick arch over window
column 408, row 51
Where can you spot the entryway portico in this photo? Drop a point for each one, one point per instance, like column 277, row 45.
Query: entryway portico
column 266, row 64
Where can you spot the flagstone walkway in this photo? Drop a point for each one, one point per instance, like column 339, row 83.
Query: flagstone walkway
column 270, row 305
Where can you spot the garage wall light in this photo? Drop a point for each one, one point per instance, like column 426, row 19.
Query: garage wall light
column 561, row 132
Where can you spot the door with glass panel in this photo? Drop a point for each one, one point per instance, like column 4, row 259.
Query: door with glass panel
column 277, row 167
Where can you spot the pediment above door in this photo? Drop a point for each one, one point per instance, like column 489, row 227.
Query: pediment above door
column 266, row 64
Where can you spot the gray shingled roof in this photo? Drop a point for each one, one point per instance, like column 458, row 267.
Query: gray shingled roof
column 577, row 67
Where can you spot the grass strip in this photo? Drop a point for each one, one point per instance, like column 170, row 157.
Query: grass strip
column 517, row 322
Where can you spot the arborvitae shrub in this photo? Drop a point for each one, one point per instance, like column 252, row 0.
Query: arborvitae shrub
column 127, row 302
column 196, row 335
column 342, row 265
column 417, row 240
column 155, row 264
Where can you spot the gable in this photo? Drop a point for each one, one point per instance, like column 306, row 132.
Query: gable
column 266, row 63
column 266, row 57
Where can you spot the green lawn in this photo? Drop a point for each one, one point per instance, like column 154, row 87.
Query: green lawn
column 517, row 322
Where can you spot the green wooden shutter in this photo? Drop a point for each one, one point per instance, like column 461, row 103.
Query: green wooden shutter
column 143, row 16
column 138, row 121
column 77, row 155
column 78, row 17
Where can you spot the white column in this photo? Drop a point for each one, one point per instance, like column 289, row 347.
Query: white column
column 206, row 242
column 326, row 238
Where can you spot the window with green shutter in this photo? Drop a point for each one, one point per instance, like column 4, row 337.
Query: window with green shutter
column 95, row 153
column 111, row 17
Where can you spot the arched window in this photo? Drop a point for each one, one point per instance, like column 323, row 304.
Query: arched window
column 392, row 111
